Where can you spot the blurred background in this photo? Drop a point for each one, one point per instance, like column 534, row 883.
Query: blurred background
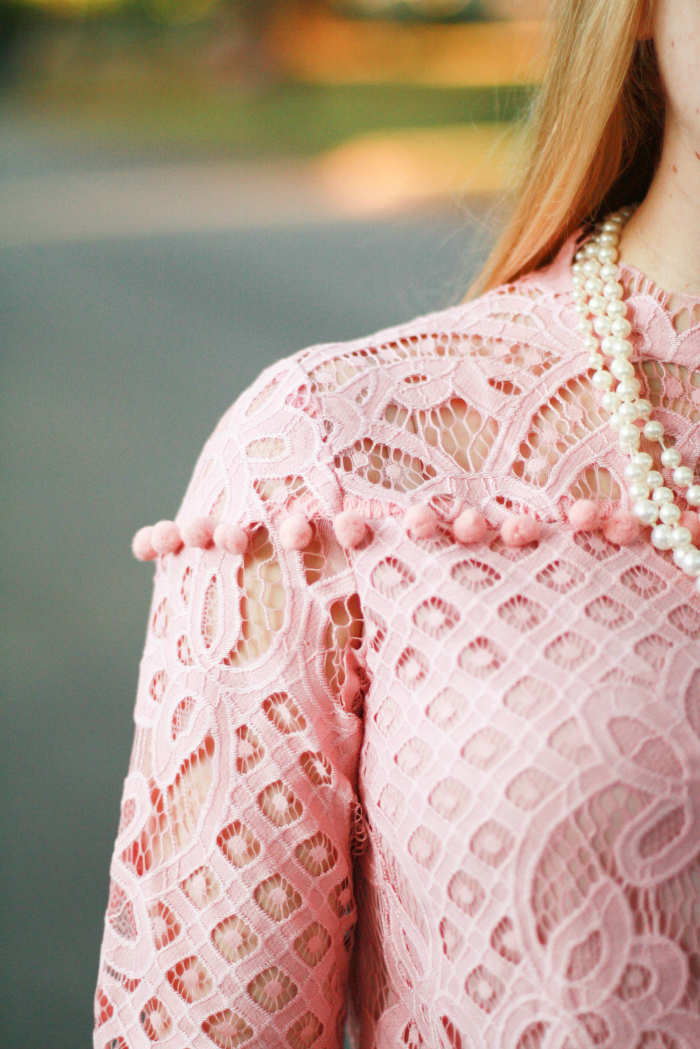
column 189, row 189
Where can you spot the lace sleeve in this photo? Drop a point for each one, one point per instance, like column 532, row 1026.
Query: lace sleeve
column 231, row 913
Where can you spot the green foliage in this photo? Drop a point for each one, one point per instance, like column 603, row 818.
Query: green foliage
column 291, row 119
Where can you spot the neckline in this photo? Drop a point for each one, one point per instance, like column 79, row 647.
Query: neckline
column 682, row 309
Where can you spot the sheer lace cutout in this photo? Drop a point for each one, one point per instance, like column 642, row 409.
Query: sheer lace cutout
column 262, row 600
column 457, row 429
column 385, row 467
column 560, row 424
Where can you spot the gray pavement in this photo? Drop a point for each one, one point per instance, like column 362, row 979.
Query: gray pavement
column 119, row 351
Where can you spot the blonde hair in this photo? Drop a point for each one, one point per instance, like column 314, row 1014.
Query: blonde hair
column 594, row 135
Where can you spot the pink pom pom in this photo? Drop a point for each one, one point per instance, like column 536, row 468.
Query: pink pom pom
column 142, row 546
column 197, row 531
column 584, row 515
column 231, row 538
column 520, row 530
column 166, row 537
column 421, row 521
column 295, row 532
column 350, row 529
column 690, row 520
column 622, row 528
column 470, row 526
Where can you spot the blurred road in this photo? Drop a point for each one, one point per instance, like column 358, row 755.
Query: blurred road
column 119, row 353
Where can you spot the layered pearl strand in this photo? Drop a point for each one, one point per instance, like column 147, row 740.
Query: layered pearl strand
column 604, row 325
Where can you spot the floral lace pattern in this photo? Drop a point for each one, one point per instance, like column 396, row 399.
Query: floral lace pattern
column 458, row 786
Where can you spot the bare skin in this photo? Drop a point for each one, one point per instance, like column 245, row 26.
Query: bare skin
column 662, row 239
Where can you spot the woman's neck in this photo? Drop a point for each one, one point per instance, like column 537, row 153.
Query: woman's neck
column 662, row 239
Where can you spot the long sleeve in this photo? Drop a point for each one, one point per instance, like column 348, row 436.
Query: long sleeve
column 231, row 912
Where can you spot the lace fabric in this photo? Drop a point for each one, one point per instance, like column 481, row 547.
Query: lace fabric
column 458, row 785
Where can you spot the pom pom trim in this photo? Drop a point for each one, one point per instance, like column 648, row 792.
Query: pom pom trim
column 622, row 528
column 141, row 544
column 295, row 532
column 231, row 538
column 470, row 526
column 420, row 521
column 584, row 515
column 197, row 531
column 166, row 538
column 520, row 530
column 350, row 529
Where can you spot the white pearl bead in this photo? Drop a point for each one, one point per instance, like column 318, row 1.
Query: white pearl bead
column 655, row 479
column 669, row 513
column 606, row 345
column 597, row 305
column 614, row 422
column 591, row 343
column 662, row 537
column 635, row 472
column 643, row 408
column 679, row 553
column 662, row 495
column 622, row 348
column 671, row 458
column 591, row 267
column 608, row 237
column 608, row 271
column 628, row 411
column 581, row 308
column 644, row 460
column 609, row 401
column 609, row 226
column 628, row 432
column 602, row 326
column 616, row 309
column 621, row 328
column 596, row 360
column 690, row 561
column 631, row 441
column 612, row 289
column 628, row 389
column 585, row 326
column 645, row 511
column 623, row 369
column 593, row 286
column 602, row 380
column 638, row 490
column 680, row 538
column 653, row 431
column 682, row 475
column 692, row 496
column 606, row 253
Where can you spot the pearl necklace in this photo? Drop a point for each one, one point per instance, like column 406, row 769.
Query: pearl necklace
column 598, row 296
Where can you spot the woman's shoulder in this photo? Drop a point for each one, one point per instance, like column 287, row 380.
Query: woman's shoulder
column 414, row 405
column 518, row 326
column 459, row 406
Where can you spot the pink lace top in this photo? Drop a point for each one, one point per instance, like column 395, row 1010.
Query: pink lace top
column 458, row 786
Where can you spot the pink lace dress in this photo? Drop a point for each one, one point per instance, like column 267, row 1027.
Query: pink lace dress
column 456, row 786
